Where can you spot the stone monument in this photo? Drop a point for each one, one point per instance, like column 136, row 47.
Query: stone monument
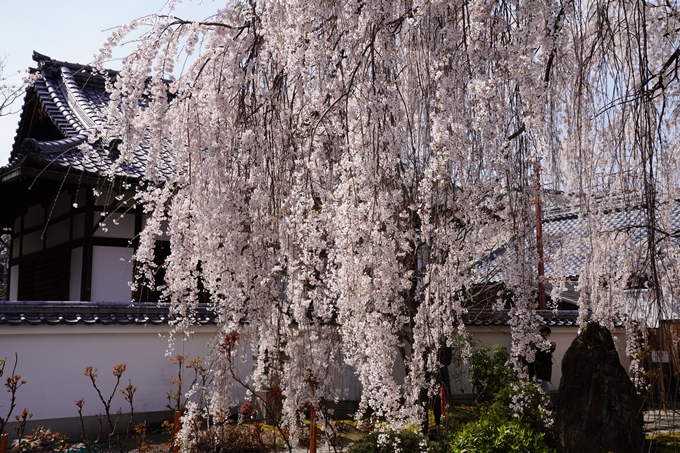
column 597, row 407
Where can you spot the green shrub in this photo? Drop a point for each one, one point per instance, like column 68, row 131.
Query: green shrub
column 456, row 416
column 528, row 400
column 490, row 371
column 510, row 416
column 663, row 443
column 406, row 441
column 491, row 434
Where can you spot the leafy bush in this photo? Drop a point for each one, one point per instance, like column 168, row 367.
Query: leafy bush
column 490, row 372
column 455, row 418
column 512, row 416
column 405, row 441
column 662, row 443
column 525, row 399
column 491, row 434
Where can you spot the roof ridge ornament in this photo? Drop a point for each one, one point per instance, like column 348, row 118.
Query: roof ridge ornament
column 79, row 104
column 33, row 146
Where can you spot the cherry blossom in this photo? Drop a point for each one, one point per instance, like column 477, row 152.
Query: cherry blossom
column 348, row 177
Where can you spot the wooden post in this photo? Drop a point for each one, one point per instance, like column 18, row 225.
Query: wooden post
column 539, row 240
column 177, row 427
column 442, row 400
column 312, row 431
column 312, row 412
column 3, row 443
column 312, row 422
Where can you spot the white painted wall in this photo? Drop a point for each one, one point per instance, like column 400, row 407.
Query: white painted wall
column 111, row 273
column 562, row 336
column 115, row 226
column 61, row 205
column 78, row 226
column 57, row 233
column 52, row 360
column 16, row 247
column 76, row 274
column 488, row 336
column 14, row 282
column 35, row 215
column 32, row 242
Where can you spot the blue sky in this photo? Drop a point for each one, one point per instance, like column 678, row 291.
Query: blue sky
column 68, row 30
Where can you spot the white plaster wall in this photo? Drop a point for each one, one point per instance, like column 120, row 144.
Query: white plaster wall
column 111, row 273
column 116, row 226
column 620, row 343
column 562, row 336
column 58, row 233
column 16, row 247
column 76, row 273
column 14, row 282
column 488, row 336
column 78, row 226
column 81, row 197
column 32, row 243
column 52, row 360
column 61, row 205
column 35, row 215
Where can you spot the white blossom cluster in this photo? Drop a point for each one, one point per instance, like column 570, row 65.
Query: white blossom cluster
column 347, row 175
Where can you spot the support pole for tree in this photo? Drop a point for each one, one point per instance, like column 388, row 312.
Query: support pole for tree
column 312, row 421
column 539, row 239
column 442, row 401
column 177, row 426
column 312, row 412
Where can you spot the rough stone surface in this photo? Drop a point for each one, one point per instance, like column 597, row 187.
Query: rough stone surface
column 597, row 407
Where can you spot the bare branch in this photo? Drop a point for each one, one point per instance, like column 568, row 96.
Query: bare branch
column 9, row 92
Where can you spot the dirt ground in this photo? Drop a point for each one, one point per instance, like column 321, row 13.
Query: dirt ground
column 158, row 441
column 155, row 442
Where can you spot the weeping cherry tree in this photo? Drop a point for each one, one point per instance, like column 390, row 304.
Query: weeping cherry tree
column 347, row 175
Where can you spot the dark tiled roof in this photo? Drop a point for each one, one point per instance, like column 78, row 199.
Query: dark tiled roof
column 559, row 318
column 564, row 237
column 89, row 313
column 109, row 313
column 73, row 96
column 566, row 232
